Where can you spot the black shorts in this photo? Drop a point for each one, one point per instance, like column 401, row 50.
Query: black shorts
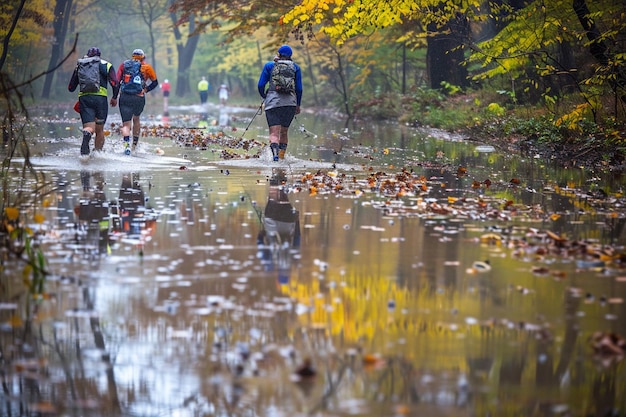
column 131, row 105
column 280, row 116
column 166, row 93
column 93, row 108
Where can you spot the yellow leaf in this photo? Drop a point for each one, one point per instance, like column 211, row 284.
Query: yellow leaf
column 12, row 213
column 26, row 273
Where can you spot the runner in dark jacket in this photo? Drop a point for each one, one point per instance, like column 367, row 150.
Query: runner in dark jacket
column 93, row 107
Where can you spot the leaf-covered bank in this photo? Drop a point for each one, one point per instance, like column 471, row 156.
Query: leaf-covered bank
column 491, row 117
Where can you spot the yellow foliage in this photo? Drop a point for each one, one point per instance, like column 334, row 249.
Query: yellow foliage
column 572, row 119
column 35, row 17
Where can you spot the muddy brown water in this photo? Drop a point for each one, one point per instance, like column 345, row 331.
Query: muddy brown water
column 184, row 284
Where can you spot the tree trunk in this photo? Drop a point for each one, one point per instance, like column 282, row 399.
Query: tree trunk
column 309, row 70
column 445, row 53
column 186, row 51
column 597, row 46
column 60, row 23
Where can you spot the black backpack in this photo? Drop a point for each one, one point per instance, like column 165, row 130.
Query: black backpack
column 88, row 70
column 284, row 76
column 132, row 80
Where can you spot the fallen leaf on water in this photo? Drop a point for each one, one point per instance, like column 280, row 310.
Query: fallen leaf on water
column 608, row 343
column 372, row 359
column 306, row 370
column 540, row 270
column 491, row 238
column 43, row 407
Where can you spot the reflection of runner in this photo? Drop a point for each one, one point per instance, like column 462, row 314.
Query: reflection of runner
column 223, row 93
column 166, row 87
column 131, row 204
column 93, row 212
column 224, row 118
column 280, row 238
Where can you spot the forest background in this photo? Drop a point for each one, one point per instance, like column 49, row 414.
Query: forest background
column 547, row 75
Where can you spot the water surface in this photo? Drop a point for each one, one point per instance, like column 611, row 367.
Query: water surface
column 186, row 284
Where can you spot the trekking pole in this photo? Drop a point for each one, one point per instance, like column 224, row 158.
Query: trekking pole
column 303, row 130
column 258, row 111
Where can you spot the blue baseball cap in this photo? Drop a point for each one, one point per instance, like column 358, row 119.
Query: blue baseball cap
column 285, row 50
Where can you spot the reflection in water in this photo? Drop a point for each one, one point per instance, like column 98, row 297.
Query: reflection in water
column 381, row 300
column 126, row 217
column 224, row 117
column 93, row 212
column 279, row 239
column 131, row 217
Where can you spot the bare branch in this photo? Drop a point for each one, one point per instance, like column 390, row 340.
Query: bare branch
column 69, row 54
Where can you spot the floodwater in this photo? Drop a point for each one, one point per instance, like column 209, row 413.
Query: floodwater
column 379, row 270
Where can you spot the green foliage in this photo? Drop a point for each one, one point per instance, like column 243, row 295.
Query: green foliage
column 429, row 107
column 380, row 107
column 541, row 129
column 450, row 89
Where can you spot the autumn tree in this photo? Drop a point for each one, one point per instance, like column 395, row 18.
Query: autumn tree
column 60, row 24
column 445, row 26
column 544, row 47
column 186, row 45
column 23, row 28
column 237, row 19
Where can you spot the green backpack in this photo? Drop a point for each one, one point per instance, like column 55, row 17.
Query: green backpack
column 284, row 76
